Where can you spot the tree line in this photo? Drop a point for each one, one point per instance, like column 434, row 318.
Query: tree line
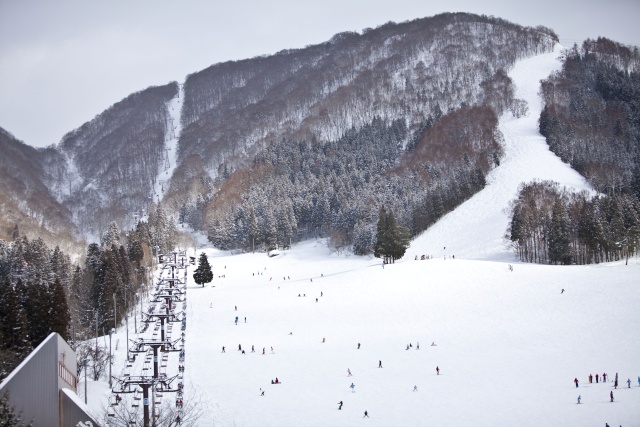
column 552, row 225
column 42, row 291
column 300, row 189
column 591, row 116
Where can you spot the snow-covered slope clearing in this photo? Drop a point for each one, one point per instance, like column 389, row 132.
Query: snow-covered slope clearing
column 475, row 229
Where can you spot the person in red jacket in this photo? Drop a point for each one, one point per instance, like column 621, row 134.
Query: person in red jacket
column 576, row 381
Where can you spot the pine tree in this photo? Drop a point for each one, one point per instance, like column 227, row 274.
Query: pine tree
column 380, row 248
column 111, row 236
column 59, row 319
column 559, row 242
column 203, row 273
column 8, row 415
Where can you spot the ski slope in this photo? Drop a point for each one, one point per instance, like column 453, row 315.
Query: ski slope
column 475, row 229
column 508, row 343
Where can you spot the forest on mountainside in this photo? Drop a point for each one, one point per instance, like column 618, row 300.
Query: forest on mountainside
column 409, row 121
column 591, row 120
column 43, row 291
column 295, row 190
column 107, row 168
column 591, row 117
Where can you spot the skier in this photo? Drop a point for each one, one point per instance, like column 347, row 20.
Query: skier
column 590, row 378
column 611, row 395
column 639, row 381
column 353, row 388
column 223, row 349
column 366, row 415
column 380, row 364
column 261, row 392
column 359, row 349
column 348, row 372
column 629, row 382
column 415, row 388
column 576, row 381
column 236, row 320
column 604, row 377
column 253, row 350
column 239, row 347
column 340, row 403
column 437, row 370
column 597, row 378
column 579, row 399
column 418, row 346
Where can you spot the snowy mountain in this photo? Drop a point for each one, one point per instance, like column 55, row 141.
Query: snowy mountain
column 467, row 341
column 181, row 143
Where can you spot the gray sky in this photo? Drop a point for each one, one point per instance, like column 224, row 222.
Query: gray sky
column 63, row 62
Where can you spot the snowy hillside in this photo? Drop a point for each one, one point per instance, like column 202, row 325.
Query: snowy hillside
column 475, row 229
column 508, row 344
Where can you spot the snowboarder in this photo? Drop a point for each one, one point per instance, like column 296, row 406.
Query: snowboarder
column 579, row 399
column 562, row 291
column 239, row 347
column 359, row 349
column 380, row 364
column 340, row 403
column 611, row 395
column 437, row 370
column 366, row 414
column 261, row 392
column 575, row 380
column 353, row 388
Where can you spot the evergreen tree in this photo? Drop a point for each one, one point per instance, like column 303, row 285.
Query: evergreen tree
column 380, row 248
column 559, row 235
column 203, row 273
column 112, row 235
column 8, row 415
column 60, row 318
column 392, row 240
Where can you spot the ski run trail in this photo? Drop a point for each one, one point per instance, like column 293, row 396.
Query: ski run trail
column 508, row 343
column 174, row 128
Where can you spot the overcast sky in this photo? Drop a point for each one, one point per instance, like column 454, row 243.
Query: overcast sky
column 63, row 62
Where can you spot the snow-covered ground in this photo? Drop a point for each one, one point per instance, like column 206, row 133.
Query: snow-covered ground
column 174, row 128
column 508, row 343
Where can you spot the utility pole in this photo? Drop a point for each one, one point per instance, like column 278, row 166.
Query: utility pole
column 85, row 380
column 110, row 333
column 114, row 311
